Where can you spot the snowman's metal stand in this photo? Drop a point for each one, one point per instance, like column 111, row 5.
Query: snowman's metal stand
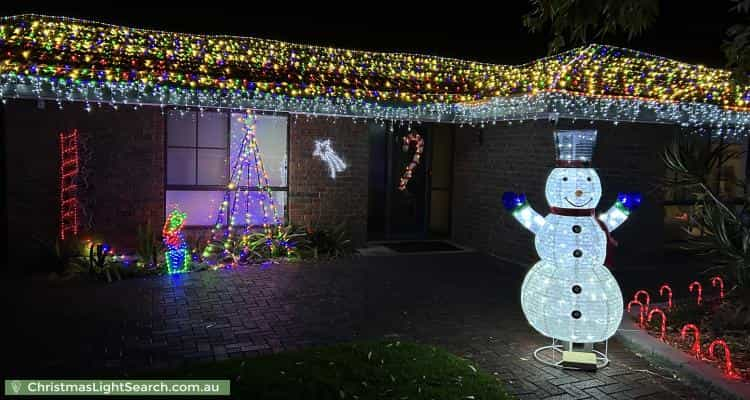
column 552, row 355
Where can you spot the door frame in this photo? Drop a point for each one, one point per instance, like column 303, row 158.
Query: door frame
column 392, row 146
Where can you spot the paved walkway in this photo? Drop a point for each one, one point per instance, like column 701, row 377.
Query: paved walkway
column 468, row 303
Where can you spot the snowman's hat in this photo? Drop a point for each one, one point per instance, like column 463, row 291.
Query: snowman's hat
column 574, row 149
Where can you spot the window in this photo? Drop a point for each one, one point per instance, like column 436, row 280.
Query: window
column 724, row 180
column 201, row 147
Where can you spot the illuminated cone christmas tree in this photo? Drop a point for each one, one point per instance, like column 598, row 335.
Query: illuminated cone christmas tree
column 243, row 209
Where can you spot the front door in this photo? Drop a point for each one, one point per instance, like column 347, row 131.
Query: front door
column 409, row 192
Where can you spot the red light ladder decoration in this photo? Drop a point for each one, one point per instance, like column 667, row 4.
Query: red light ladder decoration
column 68, row 183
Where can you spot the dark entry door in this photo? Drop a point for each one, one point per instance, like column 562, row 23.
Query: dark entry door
column 396, row 214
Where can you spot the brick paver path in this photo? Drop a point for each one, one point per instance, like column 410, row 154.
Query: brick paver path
column 468, row 303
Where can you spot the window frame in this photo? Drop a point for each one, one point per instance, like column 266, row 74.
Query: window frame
column 715, row 183
column 220, row 188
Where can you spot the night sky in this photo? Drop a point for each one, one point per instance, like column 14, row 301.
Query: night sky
column 683, row 31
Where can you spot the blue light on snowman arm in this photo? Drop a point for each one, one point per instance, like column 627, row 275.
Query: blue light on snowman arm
column 619, row 212
column 629, row 201
column 522, row 211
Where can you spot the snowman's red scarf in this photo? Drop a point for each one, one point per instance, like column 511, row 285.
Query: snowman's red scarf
column 590, row 212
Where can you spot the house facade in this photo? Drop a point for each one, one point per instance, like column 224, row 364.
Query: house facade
column 158, row 122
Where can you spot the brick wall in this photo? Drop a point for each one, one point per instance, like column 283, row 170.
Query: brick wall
column 126, row 182
column 518, row 158
column 126, row 166
column 314, row 197
column 127, row 173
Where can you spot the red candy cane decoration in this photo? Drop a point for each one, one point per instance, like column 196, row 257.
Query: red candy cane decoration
column 656, row 310
column 647, row 303
column 640, row 309
column 696, row 348
column 720, row 281
column 700, row 290
column 729, row 369
column 415, row 139
column 669, row 294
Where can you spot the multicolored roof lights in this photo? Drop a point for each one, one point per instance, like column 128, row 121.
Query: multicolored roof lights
column 68, row 59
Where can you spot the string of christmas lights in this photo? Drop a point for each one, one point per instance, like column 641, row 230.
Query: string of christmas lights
column 69, row 169
column 177, row 254
column 68, row 59
column 237, row 202
column 324, row 151
column 413, row 138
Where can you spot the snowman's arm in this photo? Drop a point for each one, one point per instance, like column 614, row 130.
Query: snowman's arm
column 620, row 211
column 522, row 211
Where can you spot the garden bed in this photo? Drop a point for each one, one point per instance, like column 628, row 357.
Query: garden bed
column 715, row 319
column 78, row 257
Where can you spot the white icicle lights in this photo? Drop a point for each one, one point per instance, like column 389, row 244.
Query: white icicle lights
column 569, row 294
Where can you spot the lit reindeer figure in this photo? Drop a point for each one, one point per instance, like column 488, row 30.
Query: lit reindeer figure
column 324, row 151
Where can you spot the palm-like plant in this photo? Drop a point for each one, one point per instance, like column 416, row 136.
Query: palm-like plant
column 723, row 224
column 147, row 246
column 331, row 243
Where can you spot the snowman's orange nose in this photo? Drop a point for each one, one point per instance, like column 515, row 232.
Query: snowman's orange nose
column 579, row 193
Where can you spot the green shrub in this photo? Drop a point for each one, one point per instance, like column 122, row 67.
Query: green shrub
column 717, row 227
column 324, row 242
column 101, row 264
column 289, row 241
column 148, row 246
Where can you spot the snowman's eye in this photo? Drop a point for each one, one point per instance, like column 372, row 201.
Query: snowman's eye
column 588, row 179
column 565, row 178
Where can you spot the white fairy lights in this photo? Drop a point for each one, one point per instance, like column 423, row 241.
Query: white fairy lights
column 549, row 302
column 614, row 217
column 325, row 152
column 570, row 295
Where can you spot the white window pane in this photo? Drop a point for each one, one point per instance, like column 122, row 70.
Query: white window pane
column 200, row 206
column 212, row 167
column 271, row 134
column 181, row 128
column 212, row 130
column 279, row 199
column 181, row 166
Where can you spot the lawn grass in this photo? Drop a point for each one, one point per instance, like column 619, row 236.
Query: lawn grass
column 366, row 370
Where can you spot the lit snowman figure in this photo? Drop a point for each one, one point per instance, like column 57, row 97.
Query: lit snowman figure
column 569, row 295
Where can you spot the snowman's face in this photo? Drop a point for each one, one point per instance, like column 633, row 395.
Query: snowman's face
column 573, row 188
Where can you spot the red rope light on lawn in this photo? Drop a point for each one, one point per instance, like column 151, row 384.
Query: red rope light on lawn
column 714, row 281
column 647, row 304
column 656, row 310
column 669, row 294
column 415, row 139
column 696, row 348
column 641, row 309
column 728, row 367
column 700, row 290
column 68, row 183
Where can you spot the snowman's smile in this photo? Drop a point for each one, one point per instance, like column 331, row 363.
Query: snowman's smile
column 578, row 205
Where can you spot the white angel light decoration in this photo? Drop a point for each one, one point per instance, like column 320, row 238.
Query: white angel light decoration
column 324, row 151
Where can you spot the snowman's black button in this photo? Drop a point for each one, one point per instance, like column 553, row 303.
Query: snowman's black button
column 577, row 253
column 576, row 289
column 575, row 314
column 576, row 228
